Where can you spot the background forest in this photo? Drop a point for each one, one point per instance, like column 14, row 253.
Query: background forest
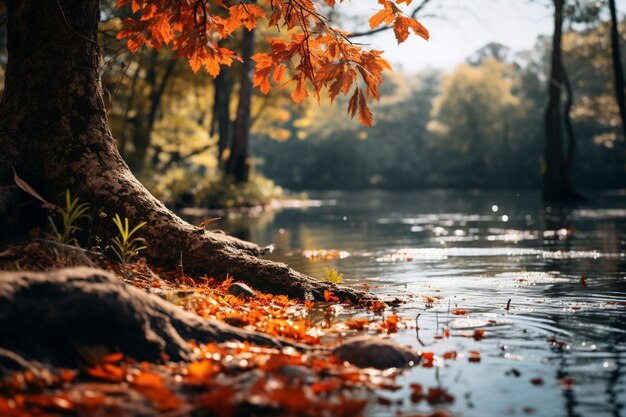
column 480, row 125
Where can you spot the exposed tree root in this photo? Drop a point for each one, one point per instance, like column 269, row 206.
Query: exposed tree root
column 57, row 317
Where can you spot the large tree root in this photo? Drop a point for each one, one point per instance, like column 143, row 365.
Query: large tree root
column 57, row 317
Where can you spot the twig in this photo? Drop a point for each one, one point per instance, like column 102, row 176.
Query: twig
column 70, row 27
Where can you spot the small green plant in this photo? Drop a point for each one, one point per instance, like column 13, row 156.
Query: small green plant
column 331, row 275
column 125, row 246
column 70, row 216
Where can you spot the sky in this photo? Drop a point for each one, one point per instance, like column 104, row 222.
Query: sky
column 460, row 28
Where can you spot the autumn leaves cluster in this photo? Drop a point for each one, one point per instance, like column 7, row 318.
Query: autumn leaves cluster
column 313, row 58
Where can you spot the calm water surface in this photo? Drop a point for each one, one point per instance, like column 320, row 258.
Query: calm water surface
column 478, row 250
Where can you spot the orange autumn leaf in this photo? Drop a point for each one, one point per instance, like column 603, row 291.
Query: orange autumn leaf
column 402, row 25
column 357, row 324
column 113, row 358
column 479, row 334
column 474, row 356
column 438, row 396
column 458, row 312
column 377, row 306
column 151, row 386
column 450, row 355
column 300, row 92
column 390, row 324
column 330, row 297
column 319, row 57
column 387, row 16
column 245, row 15
column 428, row 359
column 107, row 372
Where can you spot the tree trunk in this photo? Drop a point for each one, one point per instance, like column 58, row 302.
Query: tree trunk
column 143, row 133
column 569, row 127
column 238, row 165
column 54, row 132
column 618, row 71
column 555, row 180
column 221, row 113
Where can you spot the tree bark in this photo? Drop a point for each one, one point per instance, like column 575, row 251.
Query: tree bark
column 555, row 179
column 238, row 165
column 55, row 317
column 221, row 113
column 618, row 71
column 54, row 132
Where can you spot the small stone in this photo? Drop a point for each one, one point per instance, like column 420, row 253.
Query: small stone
column 238, row 288
column 374, row 352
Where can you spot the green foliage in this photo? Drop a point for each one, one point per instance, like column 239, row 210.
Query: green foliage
column 125, row 246
column 331, row 275
column 71, row 214
column 186, row 186
column 224, row 192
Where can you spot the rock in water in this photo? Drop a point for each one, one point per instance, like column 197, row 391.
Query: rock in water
column 374, row 352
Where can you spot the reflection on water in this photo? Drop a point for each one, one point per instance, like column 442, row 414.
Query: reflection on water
column 478, row 250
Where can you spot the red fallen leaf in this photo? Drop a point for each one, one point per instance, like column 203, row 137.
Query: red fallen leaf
column 325, row 386
column 201, row 371
column 417, row 393
column 438, row 396
column 67, row 375
column 357, row 324
column 566, row 382
column 450, row 355
column 275, row 362
column 537, row 381
column 446, row 332
column 330, row 297
column 479, row 334
column 474, row 356
column 583, row 281
column 458, row 312
column 428, row 359
column 107, row 372
column 57, row 402
column 113, row 358
column 377, row 306
column 151, row 386
column 390, row 325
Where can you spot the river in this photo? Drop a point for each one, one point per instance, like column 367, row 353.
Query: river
column 560, row 347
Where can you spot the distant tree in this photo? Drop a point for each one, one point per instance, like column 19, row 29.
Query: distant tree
column 618, row 71
column 493, row 50
column 473, row 122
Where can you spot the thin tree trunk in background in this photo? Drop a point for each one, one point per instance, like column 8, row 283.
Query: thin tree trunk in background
column 618, row 71
column 123, row 142
column 238, row 165
column 221, row 112
column 569, row 127
column 555, row 180
column 144, row 127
